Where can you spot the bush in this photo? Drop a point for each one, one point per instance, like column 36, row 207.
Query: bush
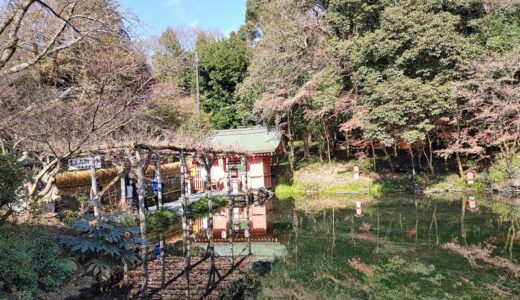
column 30, row 260
column 11, row 179
column 201, row 207
column 103, row 245
column 160, row 218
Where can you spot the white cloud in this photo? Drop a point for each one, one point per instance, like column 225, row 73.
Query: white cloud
column 194, row 23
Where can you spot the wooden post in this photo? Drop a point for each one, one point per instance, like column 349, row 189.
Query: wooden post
column 123, row 193
column 185, row 226
column 94, row 189
column 248, row 226
column 246, row 183
column 246, row 190
column 158, row 176
column 140, row 162
column 228, row 176
column 161, row 247
column 232, row 206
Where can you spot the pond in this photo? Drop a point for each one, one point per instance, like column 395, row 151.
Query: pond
column 396, row 247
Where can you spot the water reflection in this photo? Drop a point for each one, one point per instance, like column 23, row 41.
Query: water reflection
column 258, row 225
column 400, row 248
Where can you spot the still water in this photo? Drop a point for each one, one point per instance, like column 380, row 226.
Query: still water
column 399, row 247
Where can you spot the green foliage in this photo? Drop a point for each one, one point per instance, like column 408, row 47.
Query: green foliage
column 503, row 169
column 223, row 64
column 406, row 108
column 201, row 207
column 500, row 30
column 402, row 67
column 31, row 260
column 11, row 179
column 385, row 187
column 71, row 216
column 103, row 245
column 160, row 218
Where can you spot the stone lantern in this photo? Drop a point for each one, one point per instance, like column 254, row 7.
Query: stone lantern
column 470, row 176
column 472, row 204
column 356, row 172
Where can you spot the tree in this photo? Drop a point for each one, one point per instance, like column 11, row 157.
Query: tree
column 78, row 96
column 403, row 66
column 223, row 64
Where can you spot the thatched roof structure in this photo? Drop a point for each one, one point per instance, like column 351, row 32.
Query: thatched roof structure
column 70, row 179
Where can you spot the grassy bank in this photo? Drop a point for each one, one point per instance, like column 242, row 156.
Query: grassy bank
column 337, row 178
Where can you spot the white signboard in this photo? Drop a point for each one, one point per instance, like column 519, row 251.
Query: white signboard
column 83, row 163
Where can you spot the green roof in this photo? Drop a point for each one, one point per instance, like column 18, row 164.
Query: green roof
column 252, row 140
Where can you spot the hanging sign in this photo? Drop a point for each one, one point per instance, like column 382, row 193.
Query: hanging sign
column 83, row 163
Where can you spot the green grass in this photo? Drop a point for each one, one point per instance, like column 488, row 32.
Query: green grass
column 348, row 188
column 381, row 188
column 284, row 191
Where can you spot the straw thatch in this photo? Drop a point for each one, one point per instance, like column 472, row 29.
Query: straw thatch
column 72, row 179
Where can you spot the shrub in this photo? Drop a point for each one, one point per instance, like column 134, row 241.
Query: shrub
column 103, row 245
column 30, row 260
column 201, row 206
column 160, row 218
column 11, row 179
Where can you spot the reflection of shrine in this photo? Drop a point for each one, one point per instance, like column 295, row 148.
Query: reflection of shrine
column 260, row 220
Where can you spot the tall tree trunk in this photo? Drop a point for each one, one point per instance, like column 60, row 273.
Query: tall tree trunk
column 291, row 142
column 430, row 150
column 412, row 160
column 2, row 146
column 459, row 164
column 327, row 140
column 306, row 144
column 142, row 218
column 374, row 156
column 389, row 160
column 457, row 155
column 185, row 226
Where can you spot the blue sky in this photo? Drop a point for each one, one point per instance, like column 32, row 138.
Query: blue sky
column 156, row 15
